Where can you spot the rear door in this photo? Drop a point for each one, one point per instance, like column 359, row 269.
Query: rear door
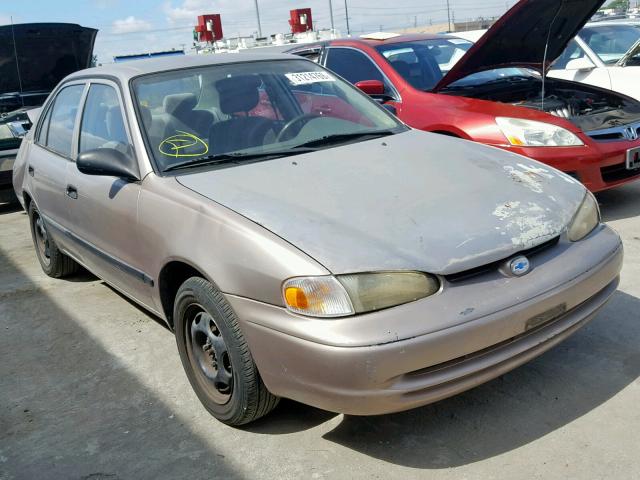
column 103, row 208
column 50, row 155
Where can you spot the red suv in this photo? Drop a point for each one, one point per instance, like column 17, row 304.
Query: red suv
column 495, row 91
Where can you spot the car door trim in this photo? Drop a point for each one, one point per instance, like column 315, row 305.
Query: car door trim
column 116, row 262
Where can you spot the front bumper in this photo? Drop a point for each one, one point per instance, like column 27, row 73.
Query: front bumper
column 599, row 165
column 320, row 364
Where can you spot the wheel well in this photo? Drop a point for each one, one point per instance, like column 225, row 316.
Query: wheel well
column 172, row 275
column 27, row 200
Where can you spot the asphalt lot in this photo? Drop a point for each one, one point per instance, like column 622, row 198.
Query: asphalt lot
column 91, row 387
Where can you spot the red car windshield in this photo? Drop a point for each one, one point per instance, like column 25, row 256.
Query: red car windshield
column 423, row 63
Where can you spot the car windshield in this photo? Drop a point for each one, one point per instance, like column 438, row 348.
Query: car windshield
column 248, row 111
column 611, row 42
column 423, row 63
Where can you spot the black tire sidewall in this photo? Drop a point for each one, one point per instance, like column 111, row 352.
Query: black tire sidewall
column 199, row 291
column 54, row 253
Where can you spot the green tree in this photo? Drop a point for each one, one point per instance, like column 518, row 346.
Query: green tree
column 619, row 5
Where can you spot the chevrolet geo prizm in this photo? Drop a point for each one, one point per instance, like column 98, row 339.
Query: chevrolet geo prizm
column 301, row 241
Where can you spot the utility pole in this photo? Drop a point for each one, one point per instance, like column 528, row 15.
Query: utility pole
column 330, row 15
column 346, row 14
column 258, row 18
column 448, row 15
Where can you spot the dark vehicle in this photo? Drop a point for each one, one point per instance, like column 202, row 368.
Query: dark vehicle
column 34, row 57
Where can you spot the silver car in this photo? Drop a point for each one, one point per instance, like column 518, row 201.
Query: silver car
column 301, row 241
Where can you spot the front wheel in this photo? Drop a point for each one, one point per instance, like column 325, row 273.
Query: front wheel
column 215, row 355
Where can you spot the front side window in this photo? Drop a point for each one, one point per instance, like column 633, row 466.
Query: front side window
column 352, row 65
column 61, row 120
column 422, row 63
column 249, row 111
column 102, row 123
column 611, row 42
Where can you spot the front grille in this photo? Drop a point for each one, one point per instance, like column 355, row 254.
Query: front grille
column 474, row 272
column 615, row 173
column 616, row 134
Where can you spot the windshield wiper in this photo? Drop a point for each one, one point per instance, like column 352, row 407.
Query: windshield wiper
column 343, row 137
column 237, row 158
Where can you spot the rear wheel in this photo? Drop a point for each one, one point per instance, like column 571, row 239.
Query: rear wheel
column 53, row 262
column 216, row 357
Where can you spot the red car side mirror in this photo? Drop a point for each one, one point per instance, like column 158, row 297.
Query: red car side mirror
column 371, row 87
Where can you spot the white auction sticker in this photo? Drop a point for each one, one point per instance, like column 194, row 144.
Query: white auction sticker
column 303, row 78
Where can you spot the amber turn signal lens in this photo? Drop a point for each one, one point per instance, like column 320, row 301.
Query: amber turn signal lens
column 296, row 298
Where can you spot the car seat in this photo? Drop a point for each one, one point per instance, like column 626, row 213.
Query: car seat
column 238, row 96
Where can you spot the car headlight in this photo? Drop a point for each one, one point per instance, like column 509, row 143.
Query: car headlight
column 346, row 295
column 586, row 219
column 528, row 133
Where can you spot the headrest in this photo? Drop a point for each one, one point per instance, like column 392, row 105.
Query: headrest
column 115, row 124
column 179, row 103
column 145, row 113
column 238, row 93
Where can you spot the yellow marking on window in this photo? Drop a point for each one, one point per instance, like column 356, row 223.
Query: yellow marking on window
column 176, row 145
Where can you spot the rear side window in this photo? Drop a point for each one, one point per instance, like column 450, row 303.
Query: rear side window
column 102, row 123
column 57, row 129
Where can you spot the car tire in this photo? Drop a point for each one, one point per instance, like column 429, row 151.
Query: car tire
column 53, row 262
column 216, row 357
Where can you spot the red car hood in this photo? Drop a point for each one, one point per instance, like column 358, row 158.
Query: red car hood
column 520, row 36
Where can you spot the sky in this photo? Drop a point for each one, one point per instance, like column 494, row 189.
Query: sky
column 138, row 26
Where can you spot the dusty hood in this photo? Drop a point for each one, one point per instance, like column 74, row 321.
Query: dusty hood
column 46, row 53
column 415, row 201
column 519, row 37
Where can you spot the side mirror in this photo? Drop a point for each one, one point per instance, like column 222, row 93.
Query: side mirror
column 371, row 87
column 581, row 64
column 107, row 162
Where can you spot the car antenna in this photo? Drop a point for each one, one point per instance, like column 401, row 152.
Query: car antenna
column 544, row 60
column 15, row 53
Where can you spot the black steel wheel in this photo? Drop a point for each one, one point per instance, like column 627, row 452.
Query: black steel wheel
column 215, row 355
column 53, row 262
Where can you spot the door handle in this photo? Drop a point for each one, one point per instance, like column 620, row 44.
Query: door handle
column 72, row 192
column 32, row 172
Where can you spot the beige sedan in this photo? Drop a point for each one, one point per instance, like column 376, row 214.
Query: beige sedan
column 301, row 241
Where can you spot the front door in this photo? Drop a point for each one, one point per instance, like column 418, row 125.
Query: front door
column 103, row 208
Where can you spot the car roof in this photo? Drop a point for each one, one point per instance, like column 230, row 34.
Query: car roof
column 130, row 69
column 608, row 23
column 401, row 38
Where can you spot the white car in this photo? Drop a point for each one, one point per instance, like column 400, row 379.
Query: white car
column 605, row 54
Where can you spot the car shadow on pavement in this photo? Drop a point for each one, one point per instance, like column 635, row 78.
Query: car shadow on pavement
column 9, row 208
column 620, row 203
column 520, row 407
column 71, row 409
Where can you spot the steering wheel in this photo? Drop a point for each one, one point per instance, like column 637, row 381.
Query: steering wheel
column 293, row 126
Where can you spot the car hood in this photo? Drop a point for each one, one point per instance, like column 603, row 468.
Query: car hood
column 413, row 201
column 46, row 53
column 520, row 36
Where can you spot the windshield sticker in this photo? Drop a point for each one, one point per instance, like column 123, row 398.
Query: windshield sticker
column 305, row 78
column 183, row 144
